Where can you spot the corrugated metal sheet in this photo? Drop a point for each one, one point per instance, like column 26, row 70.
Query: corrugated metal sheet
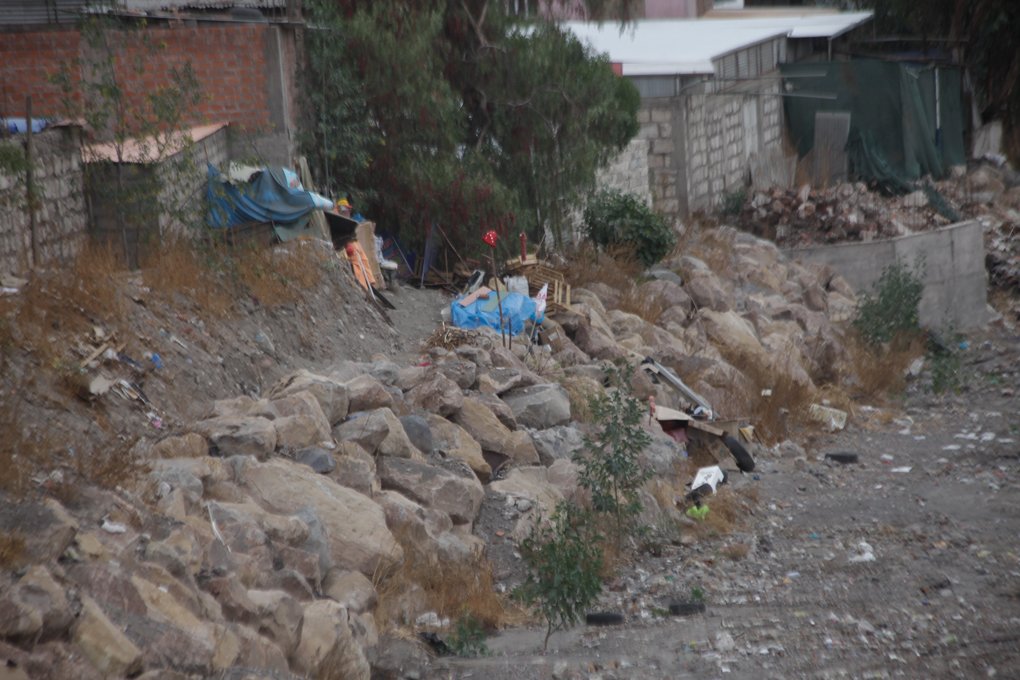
column 170, row 5
column 21, row 12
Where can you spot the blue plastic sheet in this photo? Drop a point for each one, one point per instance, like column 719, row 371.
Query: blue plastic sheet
column 267, row 199
column 517, row 309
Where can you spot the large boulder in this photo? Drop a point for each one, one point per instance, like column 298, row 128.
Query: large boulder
column 454, row 441
column 46, row 528
column 540, row 406
column 498, row 380
column 734, row 335
column 355, row 527
column 460, row 496
column 557, row 443
column 355, row 469
column 438, row 394
column 331, row 394
column 531, row 484
column 326, row 644
column 239, row 435
column 483, row 425
column 366, row 393
column 103, row 643
column 667, row 293
column 461, row 371
column 707, row 292
column 351, row 589
column 419, row 432
column 279, row 617
column 378, row 432
column 190, row 445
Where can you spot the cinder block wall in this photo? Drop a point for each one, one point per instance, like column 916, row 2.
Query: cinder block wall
column 61, row 217
column 701, row 141
column 955, row 282
column 246, row 73
column 628, row 172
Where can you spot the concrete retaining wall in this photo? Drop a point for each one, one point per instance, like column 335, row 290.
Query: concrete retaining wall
column 955, row 282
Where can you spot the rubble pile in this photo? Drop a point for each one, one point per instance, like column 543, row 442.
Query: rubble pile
column 853, row 212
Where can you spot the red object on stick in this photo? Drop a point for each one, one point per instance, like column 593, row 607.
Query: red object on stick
column 490, row 238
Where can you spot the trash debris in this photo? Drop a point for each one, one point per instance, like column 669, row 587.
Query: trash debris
column 862, row 553
column 706, row 480
column 113, row 527
column 92, row 386
column 686, row 608
column 831, row 417
column 846, row 458
column 905, row 468
column 698, row 511
column 603, row 618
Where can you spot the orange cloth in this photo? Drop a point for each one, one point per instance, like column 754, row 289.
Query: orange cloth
column 359, row 263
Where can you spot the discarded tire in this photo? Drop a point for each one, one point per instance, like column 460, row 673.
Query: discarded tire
column 686, row 608
column 845, row 458
column 603, row 618
column 740, row 454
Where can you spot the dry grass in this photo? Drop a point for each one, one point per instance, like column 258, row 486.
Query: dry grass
column 709, row 246
column 736, row 551
column 875, row 371
column 615, row 267
column 185, row 267
column 773, row 416
column 727, row 510
column 12, row 550
column 452, row 590
column 649, row 308
column 275, row 276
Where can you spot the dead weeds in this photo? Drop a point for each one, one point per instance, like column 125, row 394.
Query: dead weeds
column 875, row 371
column 186, row 267
column 12, row 550
column 451, row 590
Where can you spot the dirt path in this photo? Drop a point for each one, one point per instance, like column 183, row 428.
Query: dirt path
column 935, row 592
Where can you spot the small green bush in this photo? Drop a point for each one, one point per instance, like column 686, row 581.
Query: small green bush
column 564, row 561
column 615, row 218
column 892, row 307
column 468, row 638
column 733, row 202
column 945, row 361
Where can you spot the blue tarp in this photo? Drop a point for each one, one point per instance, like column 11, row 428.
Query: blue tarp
column 517, row 309
column 269, row 198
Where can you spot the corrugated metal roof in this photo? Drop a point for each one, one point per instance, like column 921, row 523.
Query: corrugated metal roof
column 690, row 46
column 169, row 5
column 21, row 12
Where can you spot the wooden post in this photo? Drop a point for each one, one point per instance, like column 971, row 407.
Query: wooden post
column 30, row 184
column 499, row 301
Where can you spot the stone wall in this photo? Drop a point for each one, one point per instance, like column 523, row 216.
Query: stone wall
column 628, row 172
column 61, row 217
column 955, row 283
column 701, row 142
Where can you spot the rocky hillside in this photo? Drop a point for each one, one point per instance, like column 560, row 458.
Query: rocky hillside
column 295, row 528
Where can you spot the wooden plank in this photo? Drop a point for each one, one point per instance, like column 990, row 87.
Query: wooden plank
column 365, row 232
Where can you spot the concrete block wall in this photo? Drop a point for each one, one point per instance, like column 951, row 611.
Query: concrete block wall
column 247, row 74
column 955, row 282
column 61, row 216
column 628, row 172
column 700, row 143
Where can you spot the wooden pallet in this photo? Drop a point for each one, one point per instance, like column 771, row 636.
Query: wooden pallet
column 558, row 296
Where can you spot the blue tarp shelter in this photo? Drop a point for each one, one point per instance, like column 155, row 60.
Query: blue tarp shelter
column 517, row 309
column 267, row 198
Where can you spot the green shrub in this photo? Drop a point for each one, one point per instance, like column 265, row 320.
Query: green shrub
column 892, row 307
column 610, row 465
column 564, row 561
column 733, row 202
column 615, row 218
column 945, row 361
column 468, row 638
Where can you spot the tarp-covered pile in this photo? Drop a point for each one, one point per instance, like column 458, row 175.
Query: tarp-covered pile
column 273, row 195
column 517, row 309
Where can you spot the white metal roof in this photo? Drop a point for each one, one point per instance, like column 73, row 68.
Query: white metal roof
column 689, row 46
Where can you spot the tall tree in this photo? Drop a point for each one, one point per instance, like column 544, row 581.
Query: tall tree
column 475, row 120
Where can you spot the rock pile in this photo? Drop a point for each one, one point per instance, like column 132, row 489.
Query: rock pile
column 254, row 544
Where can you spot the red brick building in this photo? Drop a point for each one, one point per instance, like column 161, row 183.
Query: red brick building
column 244, row 54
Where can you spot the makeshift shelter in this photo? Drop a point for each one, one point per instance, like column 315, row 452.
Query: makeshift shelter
column 273, row 195
column 905, row 121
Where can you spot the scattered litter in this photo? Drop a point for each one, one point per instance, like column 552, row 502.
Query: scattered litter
column 603, row 618
column 711, row 477
column 686, row 608
column 697, row 511
column 113, row 527
column 886, row 457
column 905, row 468
column 846, row 458
column 863, row 553
column 831, row 417
column 951, row 447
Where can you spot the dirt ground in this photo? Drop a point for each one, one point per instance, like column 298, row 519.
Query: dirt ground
column 904, row 564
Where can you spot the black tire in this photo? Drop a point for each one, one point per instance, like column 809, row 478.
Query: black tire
column 744, row 460
column 603, row 618
column 686, row 608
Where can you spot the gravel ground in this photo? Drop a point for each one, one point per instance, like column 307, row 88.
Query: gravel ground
column 904, row 564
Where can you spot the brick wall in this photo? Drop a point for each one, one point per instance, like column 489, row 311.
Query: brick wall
column 61, row 218
column 244, row 71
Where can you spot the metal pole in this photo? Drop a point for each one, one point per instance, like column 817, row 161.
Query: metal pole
column 30, row 184
column 499, row 301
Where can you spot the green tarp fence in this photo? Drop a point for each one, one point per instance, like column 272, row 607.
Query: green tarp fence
column 905, row 121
